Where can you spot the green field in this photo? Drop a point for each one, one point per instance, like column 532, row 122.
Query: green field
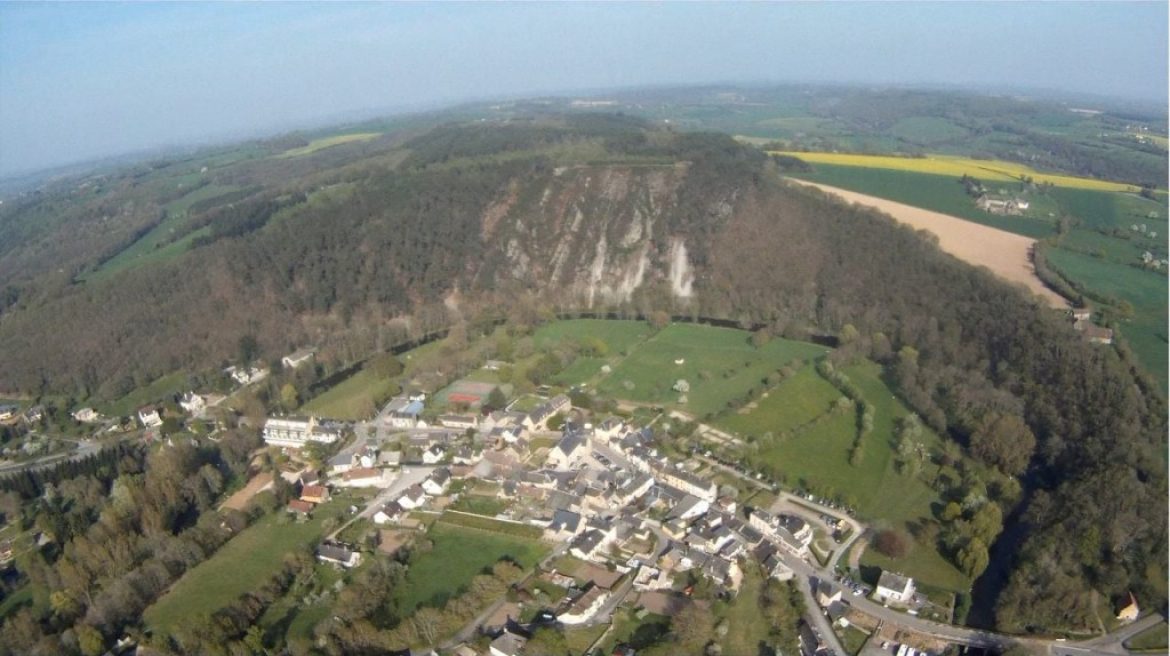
column 747, row 625
column 1153, row 638
column 1146, row 291
column 818, row 458
column 244, row 563
column 168, row 385
column 458, row 555
column 328, row 142
column 352, row 399
column 619, row 336
column 794, row 402
column 932, row 192
column 156, row 245
column 1112, row 210
column 720, row 364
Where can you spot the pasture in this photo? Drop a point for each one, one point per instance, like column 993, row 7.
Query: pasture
column 955, row 167
column 1146, row 291
column 328, row 142
column 720, row 365
column 352, row 399
column 618, row 336
column 817, row 458
column 794, row 402
column 152, row 392
column 243, row 564
column 157, row 245
column 459, row 554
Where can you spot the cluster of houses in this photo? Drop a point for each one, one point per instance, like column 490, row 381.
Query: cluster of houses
column 1005, row 206
column 11, row 413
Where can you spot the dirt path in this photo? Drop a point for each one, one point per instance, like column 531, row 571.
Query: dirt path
column 1006, row 254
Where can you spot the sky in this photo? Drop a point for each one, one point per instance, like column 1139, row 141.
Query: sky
column 88, row 80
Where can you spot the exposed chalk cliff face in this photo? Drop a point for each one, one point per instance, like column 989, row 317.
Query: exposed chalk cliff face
column 597, row 233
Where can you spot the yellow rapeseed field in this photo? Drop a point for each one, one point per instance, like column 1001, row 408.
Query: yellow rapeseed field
column 984, row 169
column 319, row 144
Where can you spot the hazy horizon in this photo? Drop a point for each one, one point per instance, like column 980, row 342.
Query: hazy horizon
column 80, row 82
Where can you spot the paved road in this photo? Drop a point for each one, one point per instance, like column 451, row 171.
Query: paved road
column 819, row 621
column 408, row 476
column 85, row 448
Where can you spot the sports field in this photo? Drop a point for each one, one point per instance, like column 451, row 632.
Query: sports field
column 956, row 167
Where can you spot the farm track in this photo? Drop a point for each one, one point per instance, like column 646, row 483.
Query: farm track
column 1006, row 254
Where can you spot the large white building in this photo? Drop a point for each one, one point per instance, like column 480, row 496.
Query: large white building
column 296, row 432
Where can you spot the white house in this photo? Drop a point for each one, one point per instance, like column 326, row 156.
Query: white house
column 388, row 513
column 541, row 414
column 894, row 588
column 148, row 416
column 433, row 455
column 403, row 412
column 297, row 358
column 685, row 481
column 246, row 375
column 438, row 482
column 362, row 477
column 295, row 432
column 413, row 497
column 87, row 415
column 330, row 553
column 462, row 422
column 192, row 403
column 570, row 452
column 507, row 644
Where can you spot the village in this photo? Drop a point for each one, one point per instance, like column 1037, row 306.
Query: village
column 640, row 528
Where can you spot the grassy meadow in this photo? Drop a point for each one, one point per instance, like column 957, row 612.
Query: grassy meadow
column 352, row 399
column 1146, row 291
column 156, row 245
column 794, row 402
column 459, row 553
column 720, row 364
column 244, row 563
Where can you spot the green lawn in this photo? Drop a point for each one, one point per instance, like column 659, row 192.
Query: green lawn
column 243, row 564
column 792, row 403
column 168, row 385
column 459, row 554
column 352, row 399
column 1145, row 290
column 720, row 364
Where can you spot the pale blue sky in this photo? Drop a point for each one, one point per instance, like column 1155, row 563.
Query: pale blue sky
column 79, row 81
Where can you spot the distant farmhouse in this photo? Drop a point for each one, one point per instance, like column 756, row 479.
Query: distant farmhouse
column 1006, row 206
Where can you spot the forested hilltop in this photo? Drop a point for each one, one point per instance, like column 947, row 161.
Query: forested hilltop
column 113, row 281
